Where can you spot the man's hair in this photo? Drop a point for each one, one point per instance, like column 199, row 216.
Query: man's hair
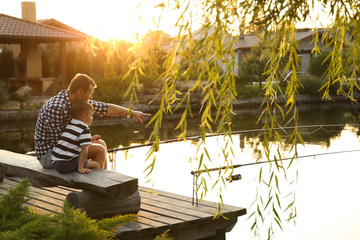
column 80, row 107
column 81, row 81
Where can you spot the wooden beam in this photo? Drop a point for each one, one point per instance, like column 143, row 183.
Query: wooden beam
column 101, row 181
column 100, row 206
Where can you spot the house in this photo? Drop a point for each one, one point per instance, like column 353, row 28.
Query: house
column 304, row 37
column 24, row 36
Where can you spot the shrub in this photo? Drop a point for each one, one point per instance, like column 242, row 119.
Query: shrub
column 312, row 84
column 318, row 65
column 249, row 91
column 17, row 222
column 110, row 89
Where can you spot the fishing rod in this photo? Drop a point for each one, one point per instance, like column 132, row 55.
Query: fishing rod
column 220, row 134
column 237, row 177
column 268, row 161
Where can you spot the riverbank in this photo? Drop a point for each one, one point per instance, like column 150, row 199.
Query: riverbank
column 14, row 111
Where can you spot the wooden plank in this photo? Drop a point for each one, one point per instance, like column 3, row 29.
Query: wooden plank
column 167, row 210
column 164, row 220
column 37, row 200
column 37, row 194
column 149, row 225
column 43, row 204
column 204, row 210
column 41, row 207
column 207, row 206
column 102, row 181
column 51, row 193
column 177, row 206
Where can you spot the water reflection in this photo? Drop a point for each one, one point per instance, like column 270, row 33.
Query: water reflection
column 327, row 195
column 117, row 132
column 320, row 190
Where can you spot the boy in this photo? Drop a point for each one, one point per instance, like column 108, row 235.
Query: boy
column 70, row 152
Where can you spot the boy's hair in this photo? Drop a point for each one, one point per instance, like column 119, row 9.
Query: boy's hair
column 81, row 81
column 80, row 107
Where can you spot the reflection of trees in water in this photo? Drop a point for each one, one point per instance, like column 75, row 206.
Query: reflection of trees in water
column 17, row 141
column 311, row 135
column 134, row 133
column 321, row 136
column 127, row 132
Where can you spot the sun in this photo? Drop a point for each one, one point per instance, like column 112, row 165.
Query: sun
column 120, row 19
column 103, row 19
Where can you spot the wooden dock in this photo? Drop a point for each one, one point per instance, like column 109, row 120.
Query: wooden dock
column 157, row 213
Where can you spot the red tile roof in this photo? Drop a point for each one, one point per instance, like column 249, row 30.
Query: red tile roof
column 14, row 30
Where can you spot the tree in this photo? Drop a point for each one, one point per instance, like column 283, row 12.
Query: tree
column 319, row 64
column 253, row 66
column 153, row 55
column 278, row 20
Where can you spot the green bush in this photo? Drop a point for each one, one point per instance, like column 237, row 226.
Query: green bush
column 318, row 65
column 312, row 84
column 17, row 222
column 110, row 89
column 249, row 91
column 148, row 80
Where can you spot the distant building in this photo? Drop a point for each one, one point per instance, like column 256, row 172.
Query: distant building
column 304, row 38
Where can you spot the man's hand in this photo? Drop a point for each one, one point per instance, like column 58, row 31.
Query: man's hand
column 84, row 170
column 139, row 116
column 116, row 110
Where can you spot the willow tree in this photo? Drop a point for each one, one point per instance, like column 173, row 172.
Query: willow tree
column 214, row 61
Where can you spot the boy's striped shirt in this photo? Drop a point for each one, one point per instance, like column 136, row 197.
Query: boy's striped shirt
column 75, row 135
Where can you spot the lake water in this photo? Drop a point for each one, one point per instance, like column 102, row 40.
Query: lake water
column 327, row 188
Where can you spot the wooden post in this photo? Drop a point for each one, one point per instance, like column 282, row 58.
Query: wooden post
column 63, row 64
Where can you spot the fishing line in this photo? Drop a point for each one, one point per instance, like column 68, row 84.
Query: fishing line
column 269, row 161
column 220, row 134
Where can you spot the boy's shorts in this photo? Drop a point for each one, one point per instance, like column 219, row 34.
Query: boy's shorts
column 45, row 161
column 68, row 166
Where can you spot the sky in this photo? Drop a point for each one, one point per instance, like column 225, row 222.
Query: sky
column 102, row 19
column 105, row 19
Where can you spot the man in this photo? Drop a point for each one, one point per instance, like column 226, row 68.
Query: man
column 55, row 114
